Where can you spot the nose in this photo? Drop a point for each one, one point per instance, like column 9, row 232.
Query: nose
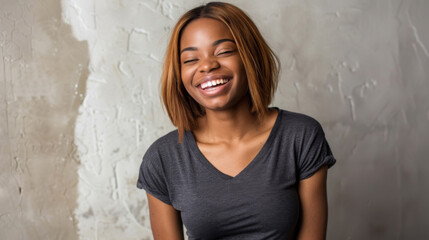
column 209, row 64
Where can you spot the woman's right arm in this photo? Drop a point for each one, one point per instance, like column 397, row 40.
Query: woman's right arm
column 165, row 220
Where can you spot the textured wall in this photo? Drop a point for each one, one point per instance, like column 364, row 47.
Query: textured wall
column 79, row 106
column 43, row 71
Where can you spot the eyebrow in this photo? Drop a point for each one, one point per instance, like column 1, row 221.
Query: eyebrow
column 217, row 42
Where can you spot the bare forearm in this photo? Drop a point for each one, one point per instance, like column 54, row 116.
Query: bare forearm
column 314, row 207
column 165, row 221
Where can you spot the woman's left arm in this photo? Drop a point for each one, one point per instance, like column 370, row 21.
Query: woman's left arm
column 314, row 206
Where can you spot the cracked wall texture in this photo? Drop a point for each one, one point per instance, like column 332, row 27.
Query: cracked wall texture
column 79, row 106
column 43, row 72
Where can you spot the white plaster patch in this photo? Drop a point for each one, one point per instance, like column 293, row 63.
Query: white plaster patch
column 138, row 40
column 116, row 124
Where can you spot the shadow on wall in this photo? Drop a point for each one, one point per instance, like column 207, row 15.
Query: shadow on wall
column 44, row 71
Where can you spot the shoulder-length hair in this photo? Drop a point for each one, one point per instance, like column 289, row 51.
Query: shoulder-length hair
column 260, row 63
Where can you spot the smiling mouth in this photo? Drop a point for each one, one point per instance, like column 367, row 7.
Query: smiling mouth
column 214, row 83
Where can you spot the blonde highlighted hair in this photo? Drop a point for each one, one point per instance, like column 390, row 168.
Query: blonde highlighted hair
column 260, row 63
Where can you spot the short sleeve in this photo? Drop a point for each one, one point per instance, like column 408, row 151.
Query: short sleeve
column 315, row 152
column 152, row 176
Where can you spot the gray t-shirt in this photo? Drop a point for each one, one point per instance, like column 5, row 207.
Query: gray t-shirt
column 261, row 202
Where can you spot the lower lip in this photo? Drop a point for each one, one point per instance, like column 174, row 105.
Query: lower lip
column 211, row 91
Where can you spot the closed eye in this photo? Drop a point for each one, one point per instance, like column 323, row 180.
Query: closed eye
column 225, row 52
column 189, row 61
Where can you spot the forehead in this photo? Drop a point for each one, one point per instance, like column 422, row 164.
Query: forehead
column 204, row 30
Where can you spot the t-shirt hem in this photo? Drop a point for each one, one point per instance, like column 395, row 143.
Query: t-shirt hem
column 156, row 194
column 329, row 161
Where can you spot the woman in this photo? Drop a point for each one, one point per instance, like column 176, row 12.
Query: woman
column 235, row 168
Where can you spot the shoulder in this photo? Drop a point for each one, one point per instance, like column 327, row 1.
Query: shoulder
column 295, row 121
column 163, row 145
column 154, row 174
column 158, row 156
column 310, row 146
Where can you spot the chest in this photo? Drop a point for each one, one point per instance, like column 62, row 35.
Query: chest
column 261, row 202
column 249, row 210
column 232, row 158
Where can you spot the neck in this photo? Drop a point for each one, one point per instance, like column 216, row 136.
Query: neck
column 228, row 125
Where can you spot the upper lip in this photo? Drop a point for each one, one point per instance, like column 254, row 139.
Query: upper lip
column 211, row 78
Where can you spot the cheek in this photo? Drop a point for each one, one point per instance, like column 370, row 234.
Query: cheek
column 241, row 71
column 186, row 74
column 237, row 65
column 186, row 78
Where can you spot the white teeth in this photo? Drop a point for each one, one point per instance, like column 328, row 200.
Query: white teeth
column 213, row 83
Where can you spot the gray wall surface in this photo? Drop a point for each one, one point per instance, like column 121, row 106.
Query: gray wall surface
column 79, row 106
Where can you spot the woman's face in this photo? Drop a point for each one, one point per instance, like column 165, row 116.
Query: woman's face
column 211, row 68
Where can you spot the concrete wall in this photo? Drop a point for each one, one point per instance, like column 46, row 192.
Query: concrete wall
column 43, row 73
column 79, row 106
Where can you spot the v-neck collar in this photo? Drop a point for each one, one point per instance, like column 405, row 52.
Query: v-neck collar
column 190, row 139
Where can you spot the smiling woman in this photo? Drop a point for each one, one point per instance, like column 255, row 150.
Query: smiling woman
column 260, row 64
column 235, row 168
column 211, row 68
